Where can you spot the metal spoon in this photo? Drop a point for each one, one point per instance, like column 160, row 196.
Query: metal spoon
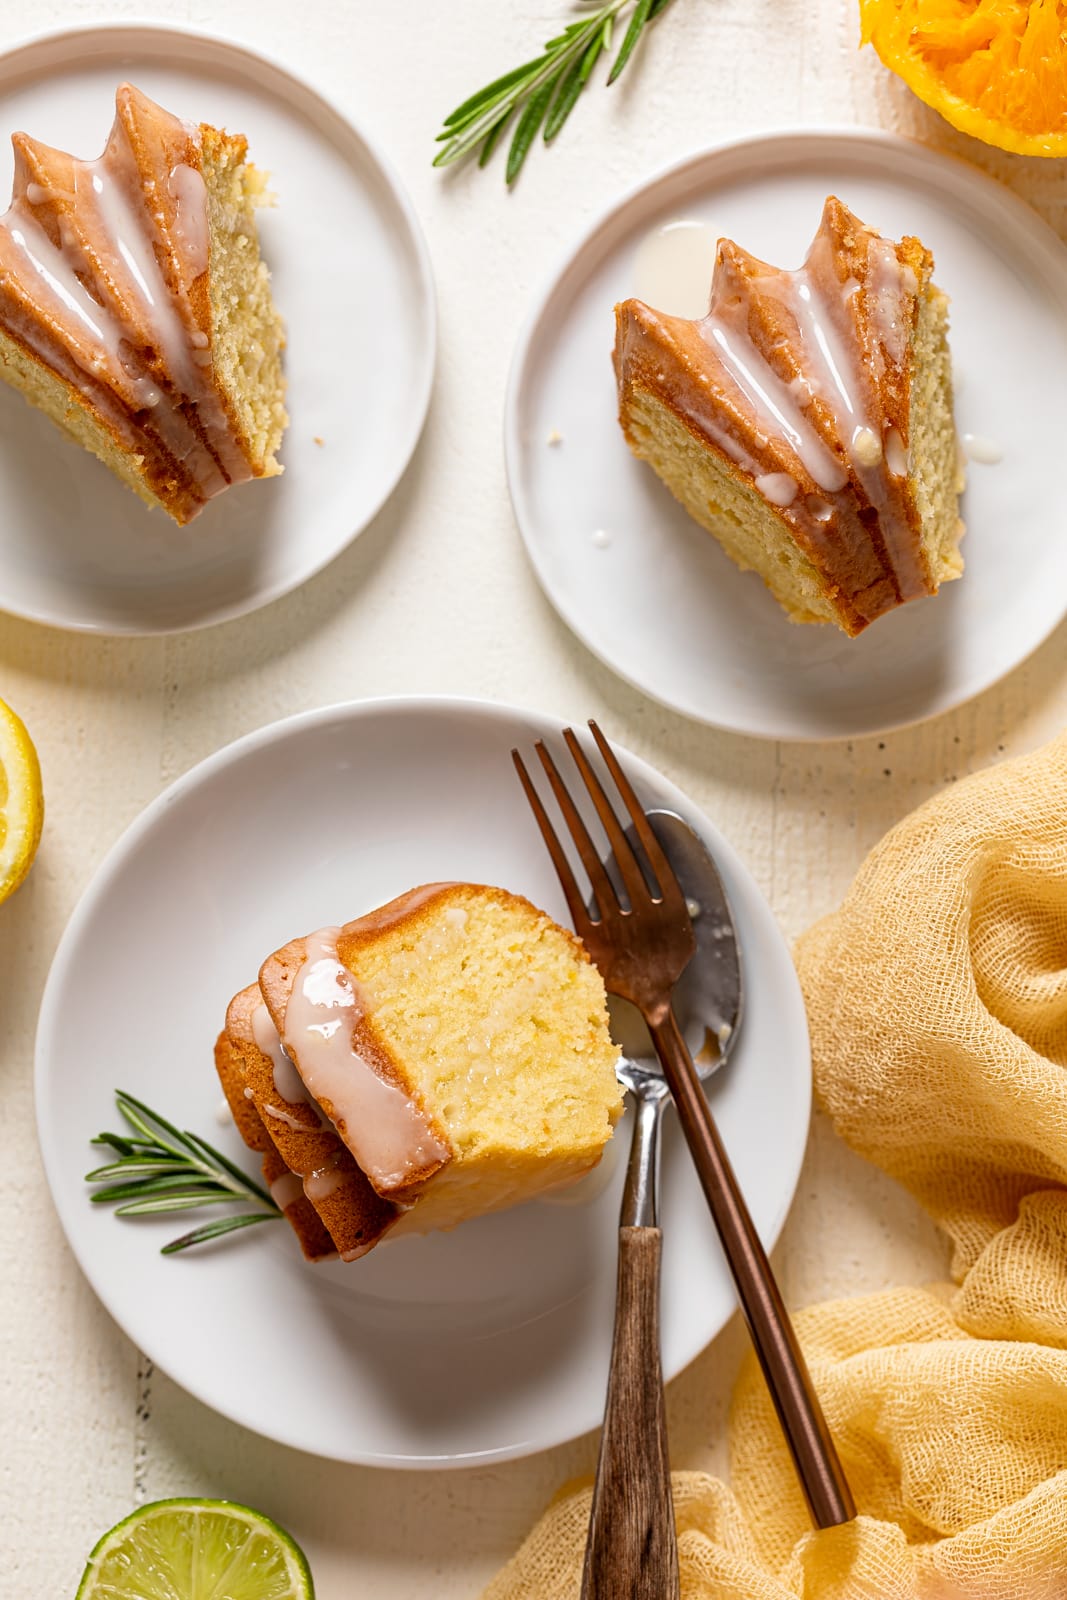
column 631, row 1551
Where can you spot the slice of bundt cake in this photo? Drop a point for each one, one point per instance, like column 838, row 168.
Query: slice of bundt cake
column 135, row 310
column 335, row 1190
column 452, row 1049
column 285, row 1187
column 807, row 421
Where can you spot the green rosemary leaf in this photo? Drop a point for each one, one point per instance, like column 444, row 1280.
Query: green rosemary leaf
column 216, row 1160
column 159, row 1205
column 543, row 90
column 507, row 98
column 526, row 129
column 133, row 1167
column 168, row 1170
column 215, row 1230
column 630, row 38
column 115, row 1141
column 140, row 1117
column 493, row 136
column 144, row 1188
column 135, row 1147
column 567, row 91
column 476, row 102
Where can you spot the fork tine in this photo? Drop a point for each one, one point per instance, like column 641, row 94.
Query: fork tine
column 568, row 883
column 603, row 888
column 632, row 876
column 665, row 875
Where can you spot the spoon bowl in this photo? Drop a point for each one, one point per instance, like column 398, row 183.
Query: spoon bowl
column 709, row 996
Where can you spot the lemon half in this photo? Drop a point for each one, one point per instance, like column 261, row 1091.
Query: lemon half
column 21, row 802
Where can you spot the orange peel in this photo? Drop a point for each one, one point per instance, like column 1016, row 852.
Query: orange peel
column 996, row 69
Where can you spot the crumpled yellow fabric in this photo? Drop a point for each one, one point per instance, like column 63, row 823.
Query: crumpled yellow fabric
column 937, row 998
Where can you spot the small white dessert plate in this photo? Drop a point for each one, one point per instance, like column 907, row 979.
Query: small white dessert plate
column 482, row 1344
column 352, row 279
column 652, row 594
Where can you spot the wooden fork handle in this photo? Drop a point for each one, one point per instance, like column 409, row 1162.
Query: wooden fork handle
column 632, row 1550
column 799, row 1412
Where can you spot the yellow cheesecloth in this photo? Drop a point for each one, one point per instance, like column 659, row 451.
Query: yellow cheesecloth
column 937, row 997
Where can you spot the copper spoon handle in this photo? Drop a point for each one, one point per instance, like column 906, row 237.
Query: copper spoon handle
column 799, row 1412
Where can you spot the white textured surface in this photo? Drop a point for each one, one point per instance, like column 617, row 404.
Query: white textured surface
column 437, row 594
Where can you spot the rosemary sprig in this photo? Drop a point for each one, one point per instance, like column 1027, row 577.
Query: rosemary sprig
column 546, row 88
column 159, row 1169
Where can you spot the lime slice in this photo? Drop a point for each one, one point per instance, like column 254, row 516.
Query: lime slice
column 196, row 1550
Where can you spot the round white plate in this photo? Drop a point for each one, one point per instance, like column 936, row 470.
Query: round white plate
column 652, row 594
column 353, row 281
column 477, row 1345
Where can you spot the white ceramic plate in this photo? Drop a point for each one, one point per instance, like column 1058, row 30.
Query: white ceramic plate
column 477, row 1345
column 659, row 602
column 353, row 281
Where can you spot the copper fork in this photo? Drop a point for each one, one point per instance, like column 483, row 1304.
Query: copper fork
column 642, row 944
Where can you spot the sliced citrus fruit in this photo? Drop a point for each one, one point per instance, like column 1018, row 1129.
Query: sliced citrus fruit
column 196, row 1550
column 21, row 802
column 996, row 69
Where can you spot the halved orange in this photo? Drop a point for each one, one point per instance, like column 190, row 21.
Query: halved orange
column 996, row 69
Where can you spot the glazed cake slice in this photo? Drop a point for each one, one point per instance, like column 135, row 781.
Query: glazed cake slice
column 807, row 421
column 457, row 1041
column 265, row 1092
column 285, row 1187
column 135, row 310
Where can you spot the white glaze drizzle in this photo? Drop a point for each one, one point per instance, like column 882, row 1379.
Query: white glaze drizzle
column 287, row 1081
column 322, row 1183
column 896, row 454
column 777, row 487
column 866, row 447
column 189, row 193
column 770, row 398
column 976, row 447
column 823, row 310
column 279, row 1114
column 893, row 288
column 387, row 1132
column 125, row 230
column 285, row 1190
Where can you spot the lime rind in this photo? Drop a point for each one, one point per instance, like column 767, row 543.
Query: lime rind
column 188, row 1549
